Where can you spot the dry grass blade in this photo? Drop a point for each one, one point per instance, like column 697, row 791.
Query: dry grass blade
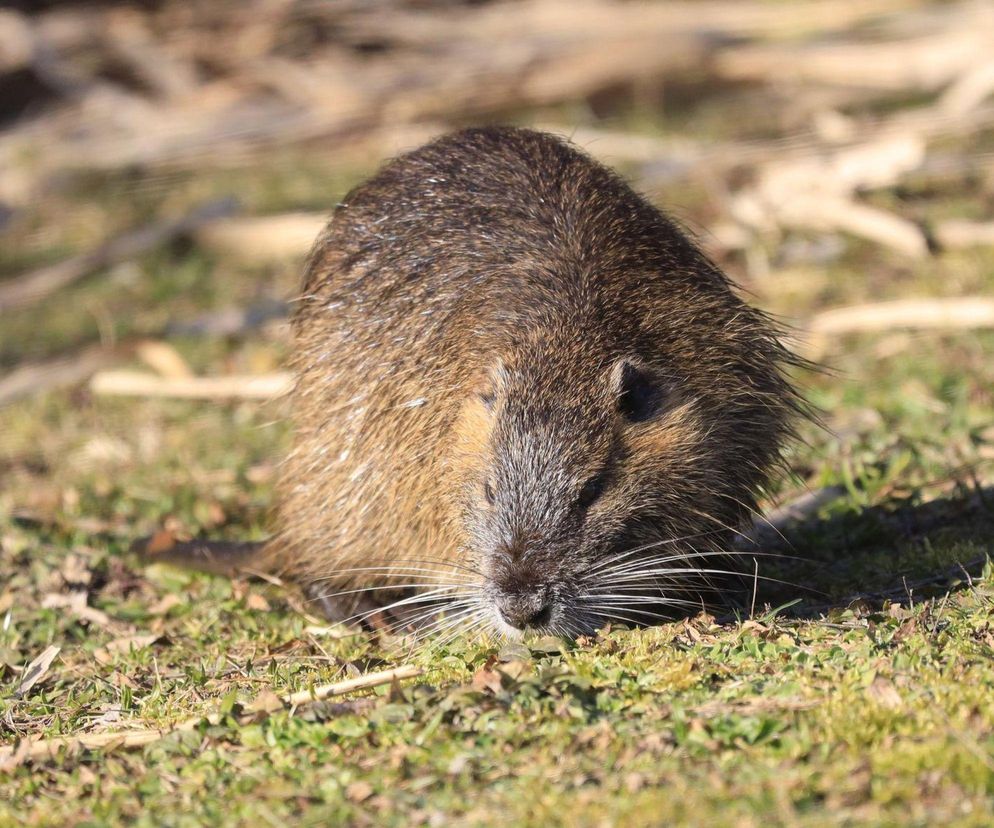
column 42, row 749
column 36, row 670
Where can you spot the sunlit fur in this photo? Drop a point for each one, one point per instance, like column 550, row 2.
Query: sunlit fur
column 465, row 319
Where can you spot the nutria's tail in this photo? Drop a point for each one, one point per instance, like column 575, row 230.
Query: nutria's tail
column 228, row 558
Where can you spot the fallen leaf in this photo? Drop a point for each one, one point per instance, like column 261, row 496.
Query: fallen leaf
column 753, row 626
column 634, row 782
column 752, row 706
column 36, row 670
column 166, row 603
column 124, row 645
column 547, row 645
column 514, row 651
column 359, row 791
column 485, row 679
column 884, row 693
column 161, row 541
column 255, row 601
column 515, row 669
column 266, row 702
column 110, row 716
column 118, row 679
column 74, row 571
column 76, row 602
column 906, row 630
column 164, row 359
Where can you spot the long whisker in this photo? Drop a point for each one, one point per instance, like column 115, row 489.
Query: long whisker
column 663, row 542
column 457, row 626
column 446, row 622
column 392, row 570
column 638, row 599
column 690, row 555
column 634, row 577
column 601, row 614
column 415, row 599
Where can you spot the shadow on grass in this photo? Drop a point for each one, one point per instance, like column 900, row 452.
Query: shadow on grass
column 898, row 552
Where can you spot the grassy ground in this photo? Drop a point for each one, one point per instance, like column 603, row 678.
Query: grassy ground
column 862, row 715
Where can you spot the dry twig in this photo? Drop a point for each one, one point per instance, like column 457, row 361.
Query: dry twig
column 949, row 314
column 42, row 749
column 139, row 384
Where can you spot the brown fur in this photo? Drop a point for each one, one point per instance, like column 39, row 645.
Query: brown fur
column 470, row 316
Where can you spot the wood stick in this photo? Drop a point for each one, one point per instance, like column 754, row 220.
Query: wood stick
column 30, row 287
column 74, row 368
column 952, row 314
column 963, row 233
column 140, row 384
column 42, row 749
column 482, row 60
column 263, row 238
column 926, row 62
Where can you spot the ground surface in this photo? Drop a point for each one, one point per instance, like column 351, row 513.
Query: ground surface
column 859, row 715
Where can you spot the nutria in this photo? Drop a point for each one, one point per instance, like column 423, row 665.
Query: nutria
column 522, row 394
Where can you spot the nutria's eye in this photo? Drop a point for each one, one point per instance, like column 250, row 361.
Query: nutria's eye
column 488, row 492
column 638, row 395
column 591, row 490
column 487, row 398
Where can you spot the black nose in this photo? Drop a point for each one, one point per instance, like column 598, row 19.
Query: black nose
column 523, row 610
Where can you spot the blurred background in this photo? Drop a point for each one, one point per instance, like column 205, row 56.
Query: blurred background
column 165, row 165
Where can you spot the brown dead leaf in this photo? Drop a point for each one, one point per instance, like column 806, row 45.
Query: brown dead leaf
column 884, row 692
column 111, row 716
column 515, row 669
column 759, row 704
column 161, row 541
column 634, row 782
column 164, row 359
column 76, row 603
column 906, row 630
column 126, row 644
column 166, row 603
column 266, row 702
column 120, row 680
column 753, row 626
column 359, row 791
column 36, row 670
column 485, row 679
column 255, row 601
column 74, row 571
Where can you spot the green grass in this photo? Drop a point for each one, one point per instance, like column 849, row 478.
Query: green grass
column 878, row 715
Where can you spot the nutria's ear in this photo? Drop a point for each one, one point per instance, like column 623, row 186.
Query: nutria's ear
column 638, row 393
column 491, row 385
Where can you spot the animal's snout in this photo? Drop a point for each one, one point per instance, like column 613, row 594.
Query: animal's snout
column 522, row 594
column 525, row 609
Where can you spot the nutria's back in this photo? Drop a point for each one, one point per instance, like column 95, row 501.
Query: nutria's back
column 514, row 370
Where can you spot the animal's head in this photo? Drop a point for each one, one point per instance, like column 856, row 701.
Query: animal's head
column 601, row 488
